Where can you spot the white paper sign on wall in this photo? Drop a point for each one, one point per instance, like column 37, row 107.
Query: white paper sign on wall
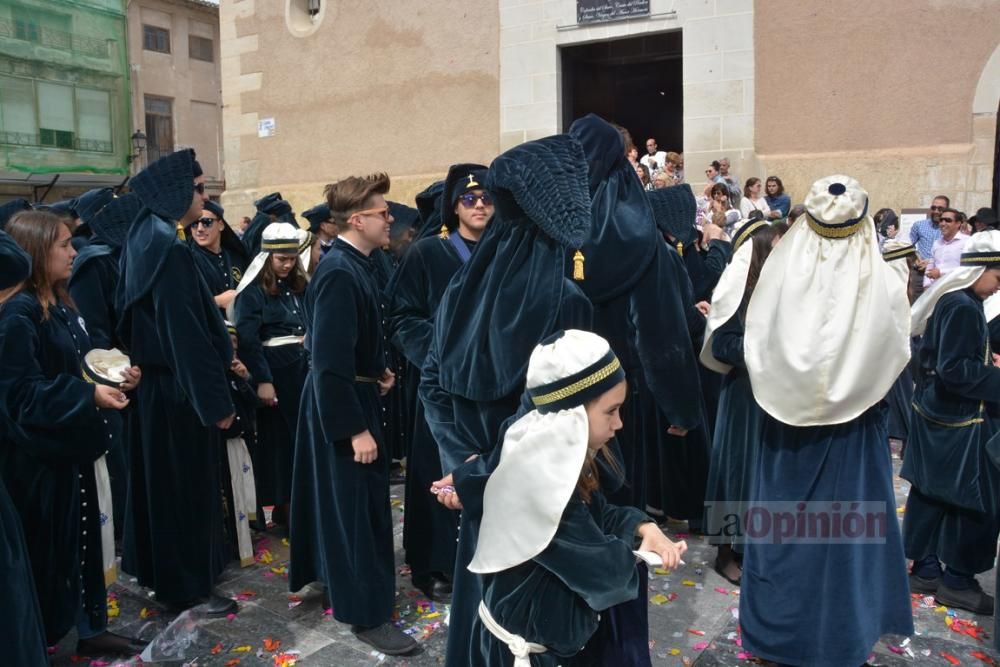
column 266, row 127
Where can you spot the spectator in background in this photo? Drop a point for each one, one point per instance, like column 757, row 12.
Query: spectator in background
column 946, row 252
column 632, row 153
column 661, row 180
column 985, row 218
column 753, row 200
column 729, row 178
column 713, row 177
column 643, row 172
column 923, row 234
column 886, row 225
column 669, row 170
column 653, row 159
column 776, row 198
column 678, row 166
column 244, row 223
column 718, row 210
column 966, row 226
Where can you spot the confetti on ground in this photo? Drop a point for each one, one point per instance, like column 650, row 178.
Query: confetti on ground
column 674, row 651
column 659, row 599
column 660, row 570
column 950, row 658
column 284, row 541
column 700, row 633
column 241, row 649
column 99, row 663
column 113, row 610
column 271, row 645
column 979, row 655
column 700, row 646
column 688, row 582
column 328, row 611
column 287, row 659
column 243, row 596
column 230, row 617
column 148, row 613
column 233, row 662
column 720, row 589
column 217, row 649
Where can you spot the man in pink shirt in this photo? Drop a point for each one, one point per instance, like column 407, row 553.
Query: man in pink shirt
column 947, row 251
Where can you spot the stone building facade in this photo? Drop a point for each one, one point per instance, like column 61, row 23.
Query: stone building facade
column 314, row 90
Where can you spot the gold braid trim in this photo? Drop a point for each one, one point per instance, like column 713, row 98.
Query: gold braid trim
column 745, row 234
column 271, row 246
column 980, row 260
column 577, row 386
column 835, row 232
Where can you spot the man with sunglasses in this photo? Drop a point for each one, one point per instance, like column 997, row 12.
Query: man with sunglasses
column 173, row 330
column 923, row 234
column 947, row 251
column 430, row 530
column 341, row 525
column 218, row 253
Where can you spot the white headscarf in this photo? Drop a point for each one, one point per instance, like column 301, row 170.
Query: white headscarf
column 827, row 327
column 977, row 254
column 280, row 237
column 895, row 252
column 728, row 293
column 543, row 451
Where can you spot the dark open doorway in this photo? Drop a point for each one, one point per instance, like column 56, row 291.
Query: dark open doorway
column 635, row 82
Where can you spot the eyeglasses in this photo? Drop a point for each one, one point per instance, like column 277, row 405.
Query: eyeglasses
column 937, row 208
column 469, row 199
column 204, row 222
column 199, row 188
column 949, row 220
column 383, row 212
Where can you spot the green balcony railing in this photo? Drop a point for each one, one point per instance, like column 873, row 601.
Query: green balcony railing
column 51, row 139
column 56, row 39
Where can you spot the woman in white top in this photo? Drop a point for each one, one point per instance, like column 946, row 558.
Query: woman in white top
column 753, row 199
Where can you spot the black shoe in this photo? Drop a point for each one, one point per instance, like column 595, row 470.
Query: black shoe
column 924, row 585
column 970, row 599
column 108, row 643
column 217, row 606
column 435, row 588
column 387, row 638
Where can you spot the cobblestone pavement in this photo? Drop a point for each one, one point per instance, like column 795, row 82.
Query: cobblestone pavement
column 693, row 619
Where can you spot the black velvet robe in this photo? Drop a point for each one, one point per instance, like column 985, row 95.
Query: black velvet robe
column 953, row 509
column 341, row 526
column 397, row 405
column 92, row 288
column 175, row 333
column 260, row 317
column 53, row 434
column 221, row 271
column 557, row 598
column 430, row 530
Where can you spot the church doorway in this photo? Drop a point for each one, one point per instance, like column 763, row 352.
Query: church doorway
column 635, row 82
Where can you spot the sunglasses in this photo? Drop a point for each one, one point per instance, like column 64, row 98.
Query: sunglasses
column 469, row 199
column 937, row 208
column 382, row 212
column 204, row 222
column 199, row 188
column 949, row 220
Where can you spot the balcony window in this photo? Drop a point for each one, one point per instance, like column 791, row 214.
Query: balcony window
column 201, row 48
column 41, row 113
column 155, row 39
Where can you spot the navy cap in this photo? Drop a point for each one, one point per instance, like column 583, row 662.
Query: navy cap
column 461, row 178
column 317, row 215
column 273, row 204
column 91, row 202
column 8, row 210
column 216, row 209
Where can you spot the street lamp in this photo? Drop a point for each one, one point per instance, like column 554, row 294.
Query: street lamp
column 138, row 145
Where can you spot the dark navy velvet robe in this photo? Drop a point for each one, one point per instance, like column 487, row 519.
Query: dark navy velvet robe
column 92, row 288
column 952, row 510
column 736, row 439
column 221, row 271
column 397, row 404
column 22, row 634
column 53, row 434
column 430, row 529
column 557, row 598
column 341, row 526
column 260, row 317
column 175, row 333
column 463, row 428
column 790, row 592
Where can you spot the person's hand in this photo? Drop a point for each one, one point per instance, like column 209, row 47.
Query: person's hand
column 132, row 377
column 238, row 368
column 996, row 359
column 223, row 300
column 712, row 232
column 386, row 382
column 703, row 307
column 933, row 274
column 225, row 423
column 654, row 540
column 265, row 392
column 444, row 489
column 920, row 264
column 365, row 449
column 679, row 431
column 110, row 398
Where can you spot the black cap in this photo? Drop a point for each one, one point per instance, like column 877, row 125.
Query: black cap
column 8, row 210
column 461, row 178
column 317, row 215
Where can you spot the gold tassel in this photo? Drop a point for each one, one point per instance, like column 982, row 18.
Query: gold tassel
column 578, row 265
column 180, row 232
column 444, row 231
column 680, row 248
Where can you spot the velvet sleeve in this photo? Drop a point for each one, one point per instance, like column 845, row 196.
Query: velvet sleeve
column 249, row 309
column 727, row 343
column 15, row 264
column 188, row 346
column 663, row 341
column 410, row 320
column 92, row 299
column 599, row 568
column 961, row 356
column 53, row 418
column 622, row 522
column 439, row 411
column 716, row 259
column 335, row 321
